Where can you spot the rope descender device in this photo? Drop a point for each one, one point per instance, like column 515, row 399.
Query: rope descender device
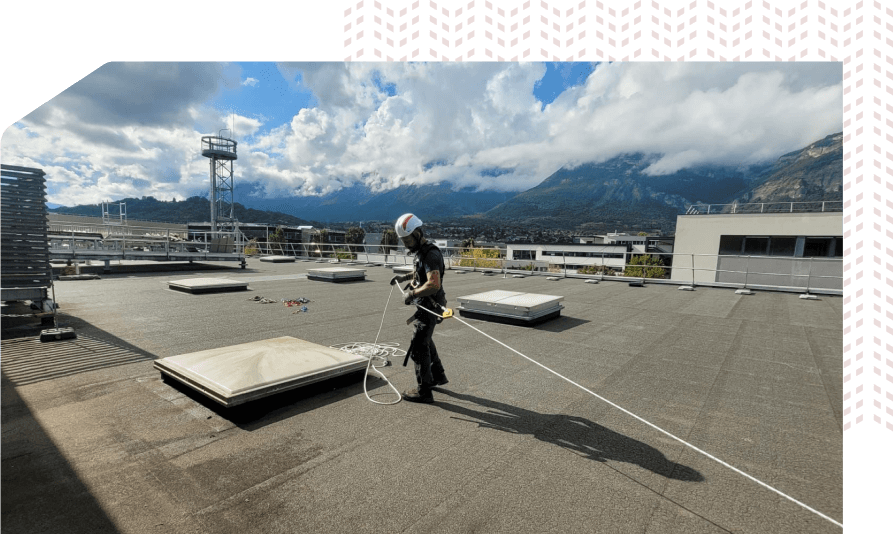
column 447, row 312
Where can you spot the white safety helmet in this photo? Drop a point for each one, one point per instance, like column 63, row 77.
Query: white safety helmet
column 406, row 224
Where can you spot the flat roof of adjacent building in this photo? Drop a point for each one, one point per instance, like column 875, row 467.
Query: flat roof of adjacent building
column 94, row 440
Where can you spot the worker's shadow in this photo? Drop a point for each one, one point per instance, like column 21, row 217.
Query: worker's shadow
column 577, row 434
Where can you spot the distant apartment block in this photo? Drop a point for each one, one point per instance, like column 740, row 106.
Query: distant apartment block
column 610, row 250
column 570, row 257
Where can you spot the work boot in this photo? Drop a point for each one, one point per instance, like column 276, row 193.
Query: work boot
column 419, row 395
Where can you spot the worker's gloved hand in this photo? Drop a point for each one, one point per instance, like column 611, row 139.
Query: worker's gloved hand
column 408, row 298
column 395, row 280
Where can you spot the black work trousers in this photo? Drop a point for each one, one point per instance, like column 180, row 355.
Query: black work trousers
column 428, row 369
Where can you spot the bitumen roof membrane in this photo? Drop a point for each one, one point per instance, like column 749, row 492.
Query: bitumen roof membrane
column 93, row 440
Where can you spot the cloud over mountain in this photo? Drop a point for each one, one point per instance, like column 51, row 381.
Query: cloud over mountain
column 133, row 129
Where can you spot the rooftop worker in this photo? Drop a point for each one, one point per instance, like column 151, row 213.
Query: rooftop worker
column 428, row 270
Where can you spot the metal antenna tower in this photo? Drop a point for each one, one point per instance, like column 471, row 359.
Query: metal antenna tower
column 222, row 152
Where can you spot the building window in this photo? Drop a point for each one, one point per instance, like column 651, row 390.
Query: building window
column 756, row 246
column 782, row 246
column 817, row 247
column 731, row 244
column 787, row 246
column 523, row 254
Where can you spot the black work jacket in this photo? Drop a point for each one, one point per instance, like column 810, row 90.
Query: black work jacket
column 429, row 258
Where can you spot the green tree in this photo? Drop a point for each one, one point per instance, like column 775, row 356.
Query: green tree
column 468, row 243
column 388, row 241
column 355, row 235
column 277, row 238
column 595, row 269
column 646, row 266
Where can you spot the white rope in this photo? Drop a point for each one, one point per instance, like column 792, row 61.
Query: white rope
column 381, row 352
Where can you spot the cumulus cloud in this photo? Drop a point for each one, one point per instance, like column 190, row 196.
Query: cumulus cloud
column 479, row 124
column 428, row 131
column 133, row 129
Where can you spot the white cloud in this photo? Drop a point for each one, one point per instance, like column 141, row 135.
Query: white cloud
column 134, row 129
column 250, row 81
column 697, row 113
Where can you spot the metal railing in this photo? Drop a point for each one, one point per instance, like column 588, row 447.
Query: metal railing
column 58, row 219
column 129, row 240
column 766, row 207
column 216, row 144
column 809, row 274
column 112, row 230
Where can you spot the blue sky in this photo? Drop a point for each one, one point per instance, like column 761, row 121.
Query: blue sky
column 133, row 129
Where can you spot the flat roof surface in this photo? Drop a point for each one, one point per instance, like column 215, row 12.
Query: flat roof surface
column 94, row 441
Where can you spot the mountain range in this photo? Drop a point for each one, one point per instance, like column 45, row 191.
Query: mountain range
column 615, row 193
column 619, row 190
column 358, row 203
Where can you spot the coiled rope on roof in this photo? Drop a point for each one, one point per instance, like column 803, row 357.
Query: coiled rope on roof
column 376, row 352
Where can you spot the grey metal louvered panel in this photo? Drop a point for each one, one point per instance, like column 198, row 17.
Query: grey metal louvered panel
column 25, row 260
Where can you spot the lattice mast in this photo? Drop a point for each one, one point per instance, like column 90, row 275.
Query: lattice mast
column 222, row 153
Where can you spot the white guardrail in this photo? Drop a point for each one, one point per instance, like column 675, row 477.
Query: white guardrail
column 759, row 272
column 779, row 273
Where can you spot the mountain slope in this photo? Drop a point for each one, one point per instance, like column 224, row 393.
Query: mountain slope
column 814, row 173
column 357, row 203
column 619, row 192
